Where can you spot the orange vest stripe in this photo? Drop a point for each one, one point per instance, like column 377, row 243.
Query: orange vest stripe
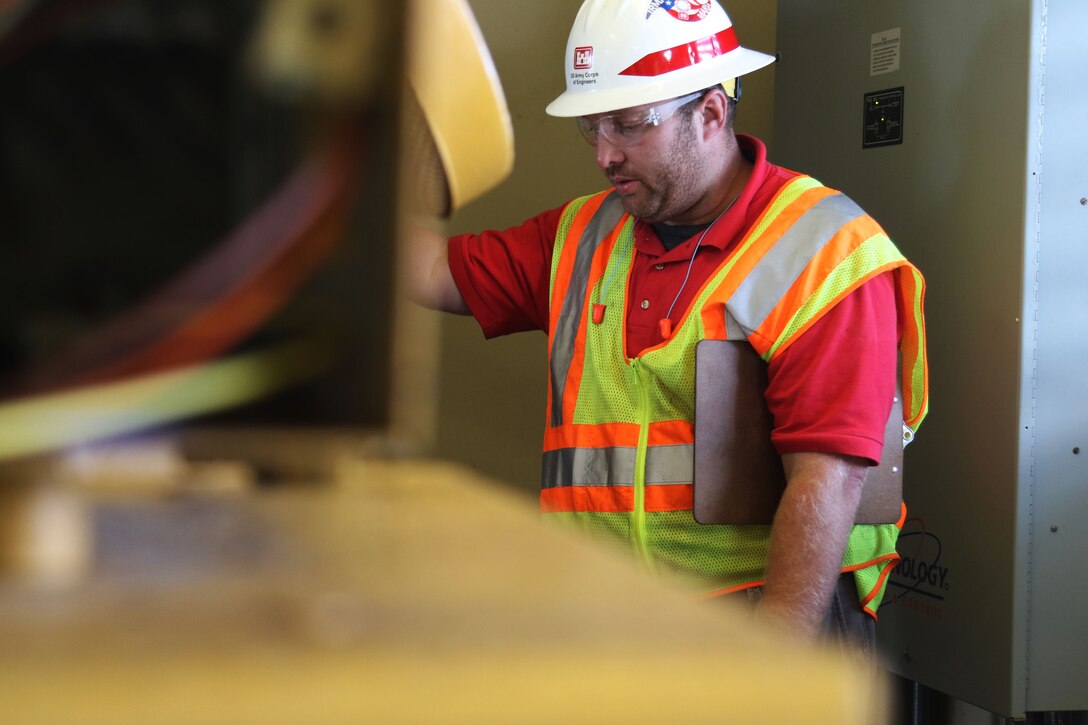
column 613, row 435
column 818, row 269
column 822, row 285
column 564, row 267
column 915, row 363
column 791, row 202
column 766, row 347
column 615, row 499
column 582, row 499
column 676, row 497
column 751, row 250
column 574, row 374
column 568, row 255
column 891, row 561
column 729, row 590
column 594, row 216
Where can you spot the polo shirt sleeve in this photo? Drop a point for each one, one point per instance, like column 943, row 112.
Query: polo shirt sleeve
column 504, row 275
column 831, row 391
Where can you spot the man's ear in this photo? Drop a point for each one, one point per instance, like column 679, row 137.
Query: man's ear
column 715, row 112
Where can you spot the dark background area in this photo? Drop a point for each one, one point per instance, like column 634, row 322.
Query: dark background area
column 132, row 142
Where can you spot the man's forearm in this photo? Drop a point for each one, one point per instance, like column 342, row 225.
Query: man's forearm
column 809, row 537
column 427, row 277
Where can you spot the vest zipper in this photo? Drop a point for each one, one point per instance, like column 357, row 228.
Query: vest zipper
column 638, row 516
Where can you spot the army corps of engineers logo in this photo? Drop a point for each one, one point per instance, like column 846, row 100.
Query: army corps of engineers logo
column 686, row 10
column 583, row 57
column 920, row 581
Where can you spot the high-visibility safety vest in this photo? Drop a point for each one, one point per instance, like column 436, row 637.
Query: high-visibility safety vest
column 618, row 443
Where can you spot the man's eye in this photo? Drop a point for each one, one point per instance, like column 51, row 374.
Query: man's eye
column 625, row 129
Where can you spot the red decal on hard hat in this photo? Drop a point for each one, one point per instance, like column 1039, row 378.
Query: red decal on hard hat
column 683, row 56
column 583, row 57
column 687, row 10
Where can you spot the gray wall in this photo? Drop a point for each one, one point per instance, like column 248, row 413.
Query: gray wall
column 491, row 394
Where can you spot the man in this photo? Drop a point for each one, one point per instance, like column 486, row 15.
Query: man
column 699, row 237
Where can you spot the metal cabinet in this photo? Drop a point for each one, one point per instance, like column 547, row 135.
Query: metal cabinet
column 978, row 173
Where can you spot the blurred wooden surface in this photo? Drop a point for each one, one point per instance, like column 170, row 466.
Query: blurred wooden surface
column 379, row 590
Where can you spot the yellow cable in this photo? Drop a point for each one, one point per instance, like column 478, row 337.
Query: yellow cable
column 56, row 420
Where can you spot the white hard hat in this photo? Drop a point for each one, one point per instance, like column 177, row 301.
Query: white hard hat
column 624, row 53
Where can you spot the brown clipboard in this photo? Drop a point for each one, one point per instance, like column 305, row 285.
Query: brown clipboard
column 738, row 474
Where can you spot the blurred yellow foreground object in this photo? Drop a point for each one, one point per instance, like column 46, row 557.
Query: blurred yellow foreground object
column 458, row 88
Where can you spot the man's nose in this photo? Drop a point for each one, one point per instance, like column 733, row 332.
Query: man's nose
column 608, row 153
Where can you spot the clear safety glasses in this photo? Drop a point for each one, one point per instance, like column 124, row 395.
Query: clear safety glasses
column 627, row 128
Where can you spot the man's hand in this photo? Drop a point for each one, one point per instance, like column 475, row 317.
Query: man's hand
column 808, row 539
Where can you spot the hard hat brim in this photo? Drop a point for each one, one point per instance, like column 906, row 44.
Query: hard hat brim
column 573, row 103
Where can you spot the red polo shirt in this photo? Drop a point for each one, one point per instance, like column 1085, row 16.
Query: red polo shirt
column 829, row 392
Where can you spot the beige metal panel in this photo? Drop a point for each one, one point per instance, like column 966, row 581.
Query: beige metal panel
column 958, row 196
column 389, row 591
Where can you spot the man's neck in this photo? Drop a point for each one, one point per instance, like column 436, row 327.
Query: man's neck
column 736, row 170
column 727, row 183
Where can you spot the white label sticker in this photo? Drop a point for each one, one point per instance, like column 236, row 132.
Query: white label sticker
column 884, row 56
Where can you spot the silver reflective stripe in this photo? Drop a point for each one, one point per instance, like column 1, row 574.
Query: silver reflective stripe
column 616, row 466
column 772, row 276
column 566, row 330
column 733, row 329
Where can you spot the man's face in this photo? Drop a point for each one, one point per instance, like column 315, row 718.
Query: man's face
column 661, row 174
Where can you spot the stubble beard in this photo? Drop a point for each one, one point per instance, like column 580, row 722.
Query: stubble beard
column 672, row 188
